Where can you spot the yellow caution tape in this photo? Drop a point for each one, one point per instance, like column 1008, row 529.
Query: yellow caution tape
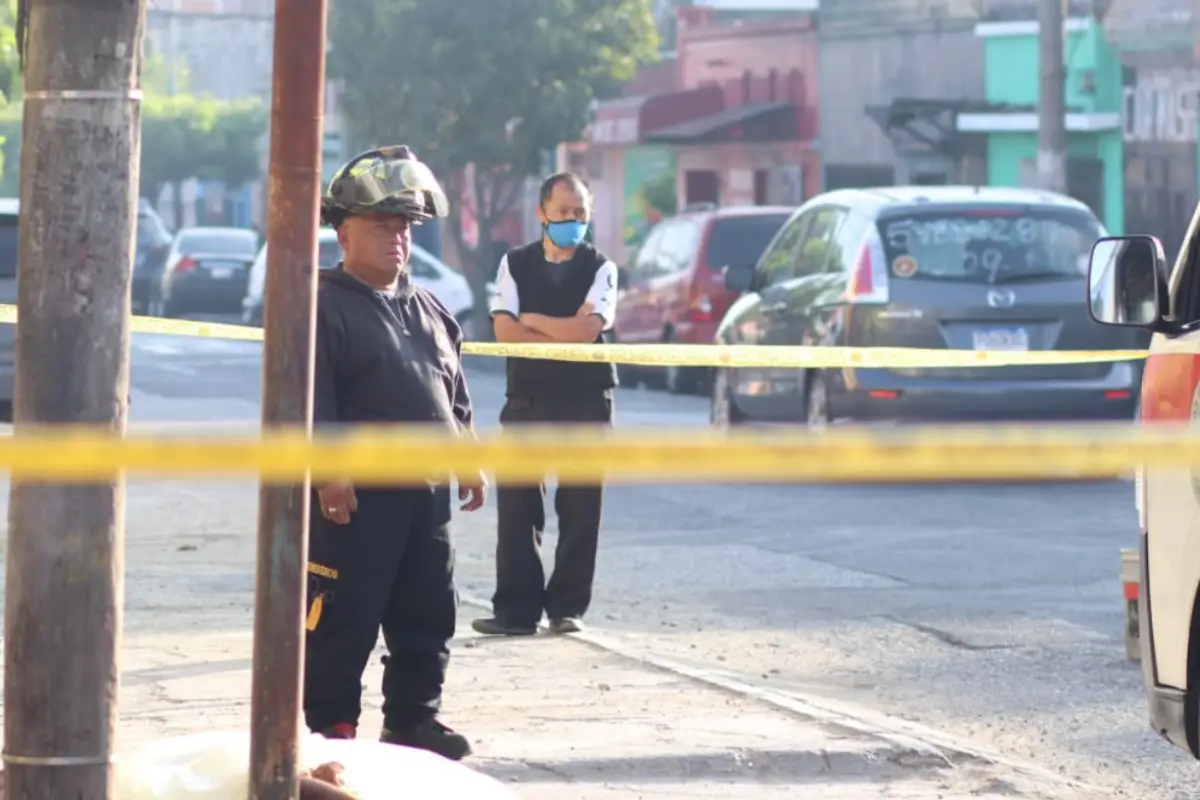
column 688, row 355
column 171, row 327
column 794, row 357
column 383, row 455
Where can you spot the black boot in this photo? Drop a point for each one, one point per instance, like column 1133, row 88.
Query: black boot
column 495, row 626
column 430, row 735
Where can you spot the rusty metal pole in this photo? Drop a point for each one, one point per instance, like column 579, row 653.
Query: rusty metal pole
column 293, row 211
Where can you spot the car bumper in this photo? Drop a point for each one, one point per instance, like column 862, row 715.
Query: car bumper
column 209, row 293
column 1167, row 705
column 880, row 394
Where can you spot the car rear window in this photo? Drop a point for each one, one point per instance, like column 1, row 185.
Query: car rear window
column 990, row 245
column 8, row 246
column 741, row 240
column 218, row 243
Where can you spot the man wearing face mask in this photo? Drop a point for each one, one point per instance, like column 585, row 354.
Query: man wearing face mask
column 380, row 557
column 558, row 289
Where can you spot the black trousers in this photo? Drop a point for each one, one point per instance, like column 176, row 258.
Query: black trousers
column 391, row 567
column 522, row 593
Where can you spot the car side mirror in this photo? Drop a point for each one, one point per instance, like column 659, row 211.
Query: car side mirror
column 1126, row 285
column 739, row 277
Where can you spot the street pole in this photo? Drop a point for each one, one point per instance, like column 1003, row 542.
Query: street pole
column 293, row 197
column 1052, row 111
column 65, row 585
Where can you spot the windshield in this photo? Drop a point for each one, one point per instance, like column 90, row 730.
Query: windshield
column 990, row 245
column 8, row 246
column 740, row 241
column 232, row 244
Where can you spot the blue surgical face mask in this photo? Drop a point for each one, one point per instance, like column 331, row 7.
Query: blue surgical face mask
column 567, row 233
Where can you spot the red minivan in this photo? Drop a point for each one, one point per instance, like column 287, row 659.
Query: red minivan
column 673, row 290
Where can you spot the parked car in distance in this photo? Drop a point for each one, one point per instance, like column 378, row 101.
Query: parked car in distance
column 150, row 255
column 207, row 269
column 945, row 267
column 447, row 285
column 329, row 253
column 1131, row 289
column 9, row 207
column 674, row 290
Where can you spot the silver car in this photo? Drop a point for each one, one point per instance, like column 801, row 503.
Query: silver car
column 930, row 267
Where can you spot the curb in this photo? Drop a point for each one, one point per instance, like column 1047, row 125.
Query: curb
column 848, row 716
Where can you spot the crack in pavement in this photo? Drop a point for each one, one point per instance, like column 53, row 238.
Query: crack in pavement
column 945, row 637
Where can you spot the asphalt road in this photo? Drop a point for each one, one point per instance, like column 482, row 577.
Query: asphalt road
column 988, row 611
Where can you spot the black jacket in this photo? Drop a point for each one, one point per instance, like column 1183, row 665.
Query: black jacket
column 386, row 358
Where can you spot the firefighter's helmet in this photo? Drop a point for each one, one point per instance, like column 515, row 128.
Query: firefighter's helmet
column 387, row 180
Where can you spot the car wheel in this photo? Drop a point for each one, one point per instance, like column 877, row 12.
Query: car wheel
column 723, row 412
column 680, row 380
column 674, row 377
column 816, row 402
column 629, row 376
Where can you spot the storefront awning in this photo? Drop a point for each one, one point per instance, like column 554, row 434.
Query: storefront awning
column 921, row 123
column 718, row 126
column 630, row 120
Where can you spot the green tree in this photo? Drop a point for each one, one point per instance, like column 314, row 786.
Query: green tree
column 492, row 83
column 185, row 136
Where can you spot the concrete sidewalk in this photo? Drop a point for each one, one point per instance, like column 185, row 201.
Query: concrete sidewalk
column 551, row 717
column 557, row 719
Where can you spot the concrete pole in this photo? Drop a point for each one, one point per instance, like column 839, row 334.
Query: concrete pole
column 78, row 213
column 1052, row 111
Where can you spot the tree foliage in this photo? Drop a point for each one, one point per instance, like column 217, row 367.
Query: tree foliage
column 183, row 136
column 492, row 83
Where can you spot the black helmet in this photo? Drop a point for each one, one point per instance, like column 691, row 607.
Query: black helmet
column 389, row 180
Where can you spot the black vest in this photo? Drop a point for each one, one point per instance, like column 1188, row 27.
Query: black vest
column 539, row 293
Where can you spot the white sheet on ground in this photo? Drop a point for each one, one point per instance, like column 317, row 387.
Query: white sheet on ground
column 214, row 766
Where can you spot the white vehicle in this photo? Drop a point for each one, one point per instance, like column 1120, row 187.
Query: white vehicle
column 1130, row 286
column 430, row 273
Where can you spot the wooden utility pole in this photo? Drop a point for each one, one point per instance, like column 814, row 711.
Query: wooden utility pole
column 79, row 179
column 1052, row 106
column 294, row 192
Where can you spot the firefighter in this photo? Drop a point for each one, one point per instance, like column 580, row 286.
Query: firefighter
column 386, row 352
column 556, row 289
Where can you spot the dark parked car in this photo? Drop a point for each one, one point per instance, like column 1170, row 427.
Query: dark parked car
column 928, row 267
column 207, row 269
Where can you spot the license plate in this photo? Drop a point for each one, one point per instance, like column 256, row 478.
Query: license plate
column 1008, row 339
column 221, row 273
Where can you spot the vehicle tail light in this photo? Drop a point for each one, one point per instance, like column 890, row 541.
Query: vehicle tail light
column 869, row 282
column 701, row 309
column 186, row 264
column 884, row 394
column 1117, row 395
